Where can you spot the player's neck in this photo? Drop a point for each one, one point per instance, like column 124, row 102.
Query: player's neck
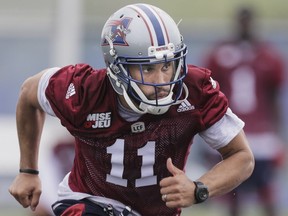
column 125, row 111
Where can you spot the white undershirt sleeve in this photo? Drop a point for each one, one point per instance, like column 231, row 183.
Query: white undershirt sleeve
column 223, row 131
column 43, row 83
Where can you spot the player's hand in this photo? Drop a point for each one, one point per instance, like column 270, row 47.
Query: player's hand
column 26, row 189
column 178, row 190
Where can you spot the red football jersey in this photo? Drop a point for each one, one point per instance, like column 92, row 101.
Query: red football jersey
column 249, row 73
column 124, row 160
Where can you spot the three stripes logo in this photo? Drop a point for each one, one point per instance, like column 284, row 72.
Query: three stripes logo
column 185, row 106
column 71, row 91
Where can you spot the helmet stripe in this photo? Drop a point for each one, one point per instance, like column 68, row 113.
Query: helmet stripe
column 164, row 27
column 154, row 23
column 149, row 31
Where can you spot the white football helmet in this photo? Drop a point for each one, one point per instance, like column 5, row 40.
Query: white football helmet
column 144, row 34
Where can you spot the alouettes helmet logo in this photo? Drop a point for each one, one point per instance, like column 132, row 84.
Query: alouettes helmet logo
column 118, row 30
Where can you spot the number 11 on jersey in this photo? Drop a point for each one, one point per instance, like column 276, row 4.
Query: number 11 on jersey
column 147, row 152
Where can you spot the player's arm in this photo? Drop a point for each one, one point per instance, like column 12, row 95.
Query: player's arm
column 30, row 119
column 26, row 188
column 237, row 165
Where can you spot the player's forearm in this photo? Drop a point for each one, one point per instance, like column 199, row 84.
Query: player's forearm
column 228, row 174
column 236, row 167
column 30, row 122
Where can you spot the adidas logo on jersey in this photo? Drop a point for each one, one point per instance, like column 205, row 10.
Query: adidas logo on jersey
column 185, row 106
column 213, row 82
column 70, row 91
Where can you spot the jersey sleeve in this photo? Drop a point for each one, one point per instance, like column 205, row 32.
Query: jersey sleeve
column 205, row 92
column 223, row 131
column 43, row 83
column 219, row 125
column 66, row 93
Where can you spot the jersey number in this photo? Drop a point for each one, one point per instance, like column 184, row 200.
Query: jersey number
column 147, row 153
column 243, row 90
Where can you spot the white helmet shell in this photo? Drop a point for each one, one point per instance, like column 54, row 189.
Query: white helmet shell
column 143, row 34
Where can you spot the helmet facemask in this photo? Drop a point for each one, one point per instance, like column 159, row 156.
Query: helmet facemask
column 131, row 87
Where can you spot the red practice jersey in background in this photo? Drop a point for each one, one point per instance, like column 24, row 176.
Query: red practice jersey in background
column 249, row 74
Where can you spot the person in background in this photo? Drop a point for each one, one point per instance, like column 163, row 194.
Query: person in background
column 133, row 122
column 250, row 72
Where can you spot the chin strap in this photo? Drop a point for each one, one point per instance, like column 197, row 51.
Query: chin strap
column 155, row 110
column 130, row 103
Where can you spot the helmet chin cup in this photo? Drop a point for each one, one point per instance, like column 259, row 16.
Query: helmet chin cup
column 156, row 110
column 146, row 108
column 159, row 110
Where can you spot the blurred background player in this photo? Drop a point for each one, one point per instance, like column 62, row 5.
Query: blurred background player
column 250, row 73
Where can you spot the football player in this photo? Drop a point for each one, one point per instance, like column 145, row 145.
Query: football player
column 133, row 123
